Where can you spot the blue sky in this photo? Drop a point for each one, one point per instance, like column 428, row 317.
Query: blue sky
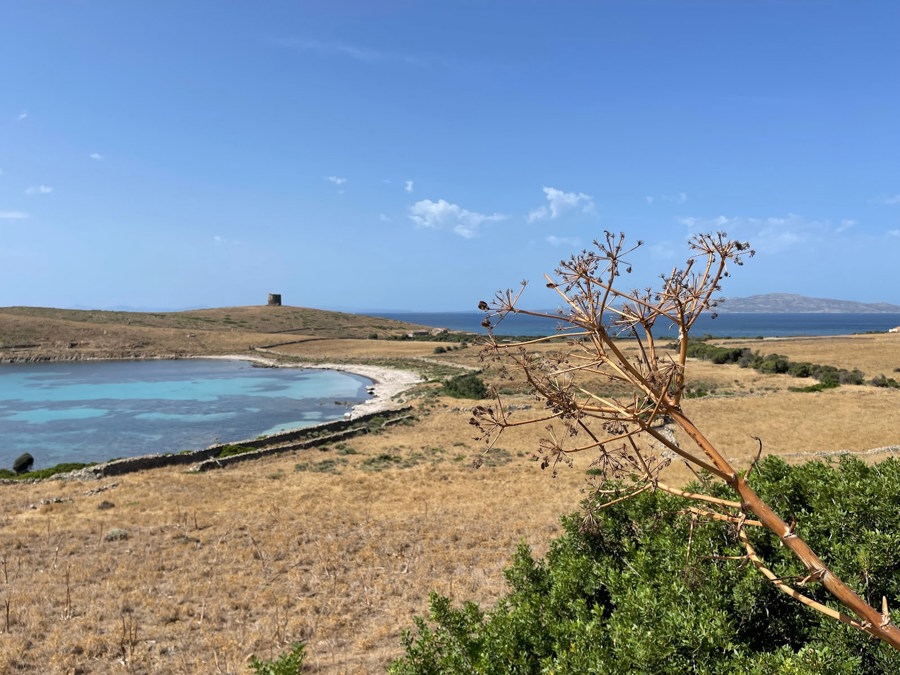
column 420, row 155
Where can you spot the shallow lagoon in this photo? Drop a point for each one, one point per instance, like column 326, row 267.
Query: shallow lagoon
column 98, row 410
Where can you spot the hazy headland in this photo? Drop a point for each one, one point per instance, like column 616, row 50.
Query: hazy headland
column 172, row 571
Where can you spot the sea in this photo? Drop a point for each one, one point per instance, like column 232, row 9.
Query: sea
column 93, row 411
column 731, row 324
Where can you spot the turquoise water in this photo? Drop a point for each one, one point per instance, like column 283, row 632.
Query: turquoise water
column 99, row 410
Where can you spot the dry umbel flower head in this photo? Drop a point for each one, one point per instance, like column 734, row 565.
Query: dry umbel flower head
column 608, row 388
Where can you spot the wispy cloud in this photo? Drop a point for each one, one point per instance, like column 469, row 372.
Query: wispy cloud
column 444, row 215
column 13, row 215
column 96, row 156
column 846, row 224
column 384, row 218
column 21, row 116
column 409, row 186
column 677, row 198
column 337, row 180
column 772, row 234
column 892, row 200
column 560, row 202
column 571, row 242
column 38, row 190
column 344, row 50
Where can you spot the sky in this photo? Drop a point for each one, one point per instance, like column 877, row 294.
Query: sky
column 423, row 154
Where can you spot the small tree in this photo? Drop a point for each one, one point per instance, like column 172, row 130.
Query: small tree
column 634, row 436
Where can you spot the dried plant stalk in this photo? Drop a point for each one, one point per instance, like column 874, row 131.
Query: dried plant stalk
column 630, row 433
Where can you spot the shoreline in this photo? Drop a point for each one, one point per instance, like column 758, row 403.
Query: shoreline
column 386, row 382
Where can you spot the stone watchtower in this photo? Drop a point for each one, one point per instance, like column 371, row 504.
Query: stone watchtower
column 274, row 300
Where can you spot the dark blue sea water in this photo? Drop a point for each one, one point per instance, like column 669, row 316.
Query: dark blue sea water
column 724, row 325
column 98, row 410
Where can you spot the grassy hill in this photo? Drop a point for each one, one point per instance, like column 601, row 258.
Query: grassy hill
column 28, row 333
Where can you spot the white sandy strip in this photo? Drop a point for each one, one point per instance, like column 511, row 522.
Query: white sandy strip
column 388, row 382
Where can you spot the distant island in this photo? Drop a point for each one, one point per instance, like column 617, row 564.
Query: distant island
column 789, row 303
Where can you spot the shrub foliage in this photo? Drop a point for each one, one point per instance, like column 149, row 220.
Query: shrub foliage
column 828, row 376
column 639, row 588
column 465, row 386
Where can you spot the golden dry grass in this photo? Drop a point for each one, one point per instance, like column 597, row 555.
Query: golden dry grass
column 874, row 354
column 219, row 566
column 340, row 547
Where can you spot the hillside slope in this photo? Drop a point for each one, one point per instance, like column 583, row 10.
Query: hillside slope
column 34, row 333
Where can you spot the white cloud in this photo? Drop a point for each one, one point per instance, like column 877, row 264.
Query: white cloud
column 444, row 215
column 571, row 242
column 677, row 198
column 892, row 200
column 96, row 156
column 384, row 218
column 13, row 215
column 22, row 115
column 894, row 233
column 38, row 190
column 409, row 186
column 337, row 180
column 773, row 234
column 561, row 202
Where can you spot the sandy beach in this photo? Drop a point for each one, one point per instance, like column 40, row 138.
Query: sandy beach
column 387, row 383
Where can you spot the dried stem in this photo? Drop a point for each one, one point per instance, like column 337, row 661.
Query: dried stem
column 605, row 343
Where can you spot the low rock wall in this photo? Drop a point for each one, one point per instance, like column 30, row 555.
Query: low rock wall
column 207, row 458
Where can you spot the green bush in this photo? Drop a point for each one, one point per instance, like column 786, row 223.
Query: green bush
column 883, row 381
column 465, row 386
column 231, row 450
column 289, row 663
column 64, row 467
column 828, row 376
column 813, row 388
column 636, row 588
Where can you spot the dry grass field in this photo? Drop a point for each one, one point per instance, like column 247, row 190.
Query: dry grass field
column 168, row 571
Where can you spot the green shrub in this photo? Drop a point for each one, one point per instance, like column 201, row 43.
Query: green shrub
column 380, row 462
column 231, row 450
column 800, row 369
column 289, row 663
column 773, row 363
column 465, row 386
column 332, row 465
column 813, row 388
column 777, row 364
column 64, row 467
column 638, row 588
column 883, row 381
